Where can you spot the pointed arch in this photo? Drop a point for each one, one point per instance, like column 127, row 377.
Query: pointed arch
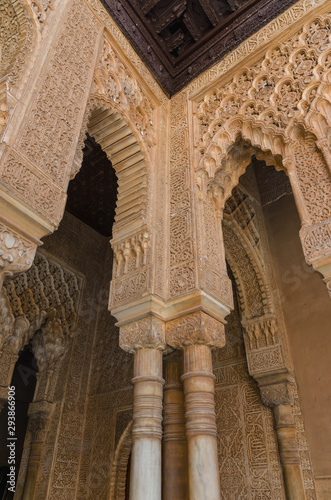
column 120, row 465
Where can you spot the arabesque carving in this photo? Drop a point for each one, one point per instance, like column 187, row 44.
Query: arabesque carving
column 271, row 105
column 37, row 168
column 47, row 297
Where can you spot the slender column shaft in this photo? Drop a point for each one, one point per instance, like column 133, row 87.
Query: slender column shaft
column 38, row 425
column 289, row 453
column 199, row 387
column 145, row 480
column 174, row 437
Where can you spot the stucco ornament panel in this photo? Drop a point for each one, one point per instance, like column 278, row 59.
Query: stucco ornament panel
column 270, row 32
column 117, row 35
column 147, row 333
column 182, row 241
column 44, row 147
column 196, row 328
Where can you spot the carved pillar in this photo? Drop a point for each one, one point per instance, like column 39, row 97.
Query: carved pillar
column 277, row 393
column 146, row 339
column 39, row 415
column 196, row 334
column 174, row 437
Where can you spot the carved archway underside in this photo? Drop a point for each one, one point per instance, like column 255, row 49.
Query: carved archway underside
column 115, row 137
column 120, row 465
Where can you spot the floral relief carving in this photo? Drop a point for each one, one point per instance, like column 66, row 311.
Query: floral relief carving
column 196, row 328
column 48, row 135
column 147, row 333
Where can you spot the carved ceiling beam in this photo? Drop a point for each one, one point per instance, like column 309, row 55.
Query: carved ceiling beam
column 210, row 11
column 172, row 12
column 192, row 26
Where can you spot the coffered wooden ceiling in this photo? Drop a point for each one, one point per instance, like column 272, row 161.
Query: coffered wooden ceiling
column 178, row 39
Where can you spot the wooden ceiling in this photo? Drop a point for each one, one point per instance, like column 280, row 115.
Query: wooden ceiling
column 178, row 39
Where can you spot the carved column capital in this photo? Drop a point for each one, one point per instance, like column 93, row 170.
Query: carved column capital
column 145, row 333
column 39, row 413
column 195, row 328
column 16, row 251
column 277, row 389
column 316, row 243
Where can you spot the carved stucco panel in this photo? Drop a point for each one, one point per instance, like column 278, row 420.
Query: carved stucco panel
column 39, row 172
column 264, row 103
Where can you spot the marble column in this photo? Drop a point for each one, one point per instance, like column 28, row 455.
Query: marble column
column 174, row 437
column 145, row 338
column 278, row 395
column 288, row 451
column 196, row 334
column 39, row 414
column 201, row 428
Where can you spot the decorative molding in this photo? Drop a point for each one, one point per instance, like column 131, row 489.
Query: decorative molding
column 196, row 328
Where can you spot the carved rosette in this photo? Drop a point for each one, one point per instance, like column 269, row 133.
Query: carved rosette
column 146, row 333
column 195, row 328
column 16, row 252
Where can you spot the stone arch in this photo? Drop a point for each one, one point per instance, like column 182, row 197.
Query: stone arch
column 106, row 122
column 120, row 465
column 241, row 241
